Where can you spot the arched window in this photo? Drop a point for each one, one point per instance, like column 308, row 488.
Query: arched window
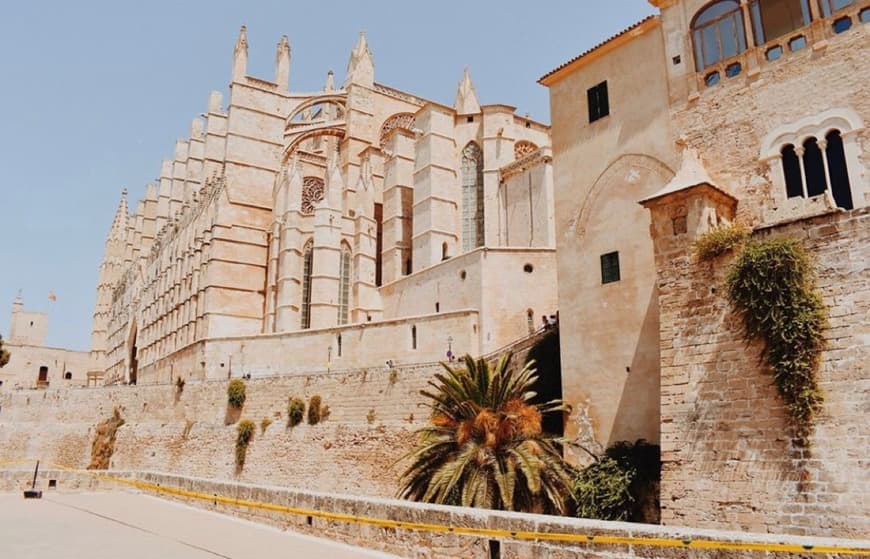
column 413, row 337
column 792, row 168
column 307, row 266
column 472, row 197
column 67, row 375
column 444, row 253
column 344, row 284
column 717, row 33
column 837, row 171
column 816, row 166
column 775, row 18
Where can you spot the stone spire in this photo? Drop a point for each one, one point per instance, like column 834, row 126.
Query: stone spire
column 240, row 55
column 361, row 66
column 466, row 97
column 330, row 81
column 118, row 232
column 282, row 64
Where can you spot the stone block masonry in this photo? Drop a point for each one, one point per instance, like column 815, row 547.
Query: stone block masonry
column 728, row 458
column 186, row 433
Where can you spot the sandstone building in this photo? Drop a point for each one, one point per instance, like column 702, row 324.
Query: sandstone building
column 346, row 227
column 31, row 362
column 707, row 113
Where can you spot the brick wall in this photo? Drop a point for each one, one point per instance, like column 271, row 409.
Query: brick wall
column 728, row 461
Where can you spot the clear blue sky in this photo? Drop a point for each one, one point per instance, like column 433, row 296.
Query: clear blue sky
column 95, row 93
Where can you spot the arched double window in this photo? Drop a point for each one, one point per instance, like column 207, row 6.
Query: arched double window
column 815, row 166
column 472, row 197
column 344, row 284
column 307, row 267
column 718, row 33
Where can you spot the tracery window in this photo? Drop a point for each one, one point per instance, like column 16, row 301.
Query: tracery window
column 775, row 18
column 312, row 193
column 813, row 167
column 524, row 148
column 307, row 267
column 344, row 284
column 718, row 33
column 472, row 197
column 401, row 120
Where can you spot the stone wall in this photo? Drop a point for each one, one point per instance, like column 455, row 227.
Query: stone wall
column 446, row 545
column 186, row 433
column 728, row 460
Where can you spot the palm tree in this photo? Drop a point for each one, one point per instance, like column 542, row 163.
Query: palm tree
column 484, row 446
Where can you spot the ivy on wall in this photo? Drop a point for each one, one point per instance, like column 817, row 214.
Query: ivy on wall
column 772, row 286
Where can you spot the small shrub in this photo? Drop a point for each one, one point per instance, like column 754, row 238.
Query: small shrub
column 244, row 437
column 264, row 424
column 236, row 394
column 188, row 425
column 371, row 416
column 719, row 241
column 324, row 412
column 623, row 485
column 295, row 411
column 103, row 446
column 394, row 376
column 772, row 286
column 314, row 415
column 603, row 491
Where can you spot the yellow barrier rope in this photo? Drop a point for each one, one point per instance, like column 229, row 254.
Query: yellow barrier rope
column 481, row 532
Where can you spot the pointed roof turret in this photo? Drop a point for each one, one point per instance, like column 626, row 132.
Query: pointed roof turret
column 119, row 223
column 361, row 66
column 282, row 64
column 330, row 81
column 466, row 97
column 240, row 55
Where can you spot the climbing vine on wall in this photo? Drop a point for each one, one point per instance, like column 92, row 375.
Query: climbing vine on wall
column 772, row 286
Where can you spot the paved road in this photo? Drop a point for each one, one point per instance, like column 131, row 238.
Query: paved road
column 132, row 526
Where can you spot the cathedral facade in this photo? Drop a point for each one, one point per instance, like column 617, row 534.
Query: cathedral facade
column 341, row 228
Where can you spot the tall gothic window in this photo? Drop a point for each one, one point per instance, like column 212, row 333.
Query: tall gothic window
column 775, row 18
column 307, row 267
column 816, row 165
column 717, row 33
column 344, row 284
column 472, row 197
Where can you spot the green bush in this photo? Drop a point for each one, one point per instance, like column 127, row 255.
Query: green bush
column 244, row 437
column 603, row 491
column 295, row 411
column 772, row 286
column 719, row 241
column 314, row 410
column 620, row 484
column 236, row 394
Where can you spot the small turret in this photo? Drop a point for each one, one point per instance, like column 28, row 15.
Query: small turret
column 466, row 97
column 282, row 64
column 361, row 66
column 240, row 56
column 330, row 81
